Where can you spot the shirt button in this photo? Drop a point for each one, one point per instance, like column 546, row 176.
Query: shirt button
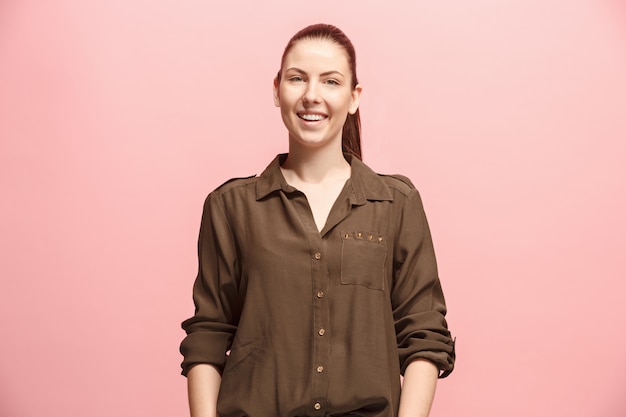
column 320, row 294
column 317, row 405
column 318, row 256
column 320, row 369
column 321, row 332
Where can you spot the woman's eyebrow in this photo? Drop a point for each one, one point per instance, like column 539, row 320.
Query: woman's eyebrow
column 298, row 70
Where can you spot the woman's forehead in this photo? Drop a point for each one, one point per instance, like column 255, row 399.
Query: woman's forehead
column 316, row 52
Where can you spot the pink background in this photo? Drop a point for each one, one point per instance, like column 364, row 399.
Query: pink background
column 118, row 117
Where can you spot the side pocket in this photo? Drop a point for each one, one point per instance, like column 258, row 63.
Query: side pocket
column 363, row 257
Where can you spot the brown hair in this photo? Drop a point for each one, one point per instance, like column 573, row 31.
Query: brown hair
column 351, row 136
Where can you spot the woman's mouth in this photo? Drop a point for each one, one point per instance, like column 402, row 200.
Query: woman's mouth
column 311, row 117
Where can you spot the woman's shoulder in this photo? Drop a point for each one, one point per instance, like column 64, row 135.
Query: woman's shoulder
column 399, row 182
column 232, row 185
column 236, row 182
column 393, row 182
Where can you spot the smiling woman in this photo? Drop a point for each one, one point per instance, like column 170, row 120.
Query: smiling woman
column 338, row 45
column 315, row 92
column 300, row 266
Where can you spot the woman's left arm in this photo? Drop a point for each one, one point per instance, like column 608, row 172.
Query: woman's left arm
column 418, row 389
column 419, row 307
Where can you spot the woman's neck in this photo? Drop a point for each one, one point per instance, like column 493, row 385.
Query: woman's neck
column 315, row 166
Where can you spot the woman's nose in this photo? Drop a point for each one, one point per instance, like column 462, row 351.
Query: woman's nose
column 311, row 94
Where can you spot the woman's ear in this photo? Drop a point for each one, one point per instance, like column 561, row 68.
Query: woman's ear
column 356, row 98
column 276, row 96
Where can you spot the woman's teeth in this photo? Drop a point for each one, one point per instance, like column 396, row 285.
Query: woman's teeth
column 311, row 117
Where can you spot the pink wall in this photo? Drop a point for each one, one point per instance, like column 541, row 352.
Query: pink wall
column 118, row 117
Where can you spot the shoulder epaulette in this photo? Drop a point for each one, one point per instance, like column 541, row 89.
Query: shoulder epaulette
column 402, row 178
column 235, row 179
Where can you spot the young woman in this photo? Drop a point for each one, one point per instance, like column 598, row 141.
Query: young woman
column 317, row 285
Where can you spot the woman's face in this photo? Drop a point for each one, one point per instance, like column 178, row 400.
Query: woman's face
column 315, row 93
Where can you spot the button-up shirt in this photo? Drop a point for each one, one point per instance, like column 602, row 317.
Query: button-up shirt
column 303, row 322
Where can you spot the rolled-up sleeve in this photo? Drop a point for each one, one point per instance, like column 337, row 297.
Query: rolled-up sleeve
column 419, row 307
column 215, row 293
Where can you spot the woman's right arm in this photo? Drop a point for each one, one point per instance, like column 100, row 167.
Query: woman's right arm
column 217, row 308
column 203, row 385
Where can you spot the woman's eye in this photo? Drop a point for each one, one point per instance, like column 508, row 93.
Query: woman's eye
column 295, row 78
column 332, row 82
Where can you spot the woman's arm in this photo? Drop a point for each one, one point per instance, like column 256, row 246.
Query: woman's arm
column 203, row 385
column 418, row 389
column 419, row 307
column 217, row 307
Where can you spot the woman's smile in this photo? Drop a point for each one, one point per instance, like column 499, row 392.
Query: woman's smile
column 312, row 116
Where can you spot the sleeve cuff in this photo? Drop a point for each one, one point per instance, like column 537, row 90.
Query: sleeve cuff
column 444, row 358
column 204, row 347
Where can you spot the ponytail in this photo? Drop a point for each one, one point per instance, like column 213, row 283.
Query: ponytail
column 351, row 136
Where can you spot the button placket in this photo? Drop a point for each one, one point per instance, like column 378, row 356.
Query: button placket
column 321, row 314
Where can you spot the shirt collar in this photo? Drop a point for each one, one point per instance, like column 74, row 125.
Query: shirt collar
column 366, row 184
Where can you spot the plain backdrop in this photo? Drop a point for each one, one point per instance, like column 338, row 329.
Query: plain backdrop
column 117, row 118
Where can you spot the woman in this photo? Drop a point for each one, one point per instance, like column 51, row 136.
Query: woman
column 318, row 277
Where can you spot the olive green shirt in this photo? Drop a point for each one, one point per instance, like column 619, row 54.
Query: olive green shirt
column 310, row 323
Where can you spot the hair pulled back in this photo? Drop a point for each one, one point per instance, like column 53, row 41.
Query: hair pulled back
column 351, row 135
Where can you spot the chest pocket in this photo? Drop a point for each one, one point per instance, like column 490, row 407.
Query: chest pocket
column 363, row 257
